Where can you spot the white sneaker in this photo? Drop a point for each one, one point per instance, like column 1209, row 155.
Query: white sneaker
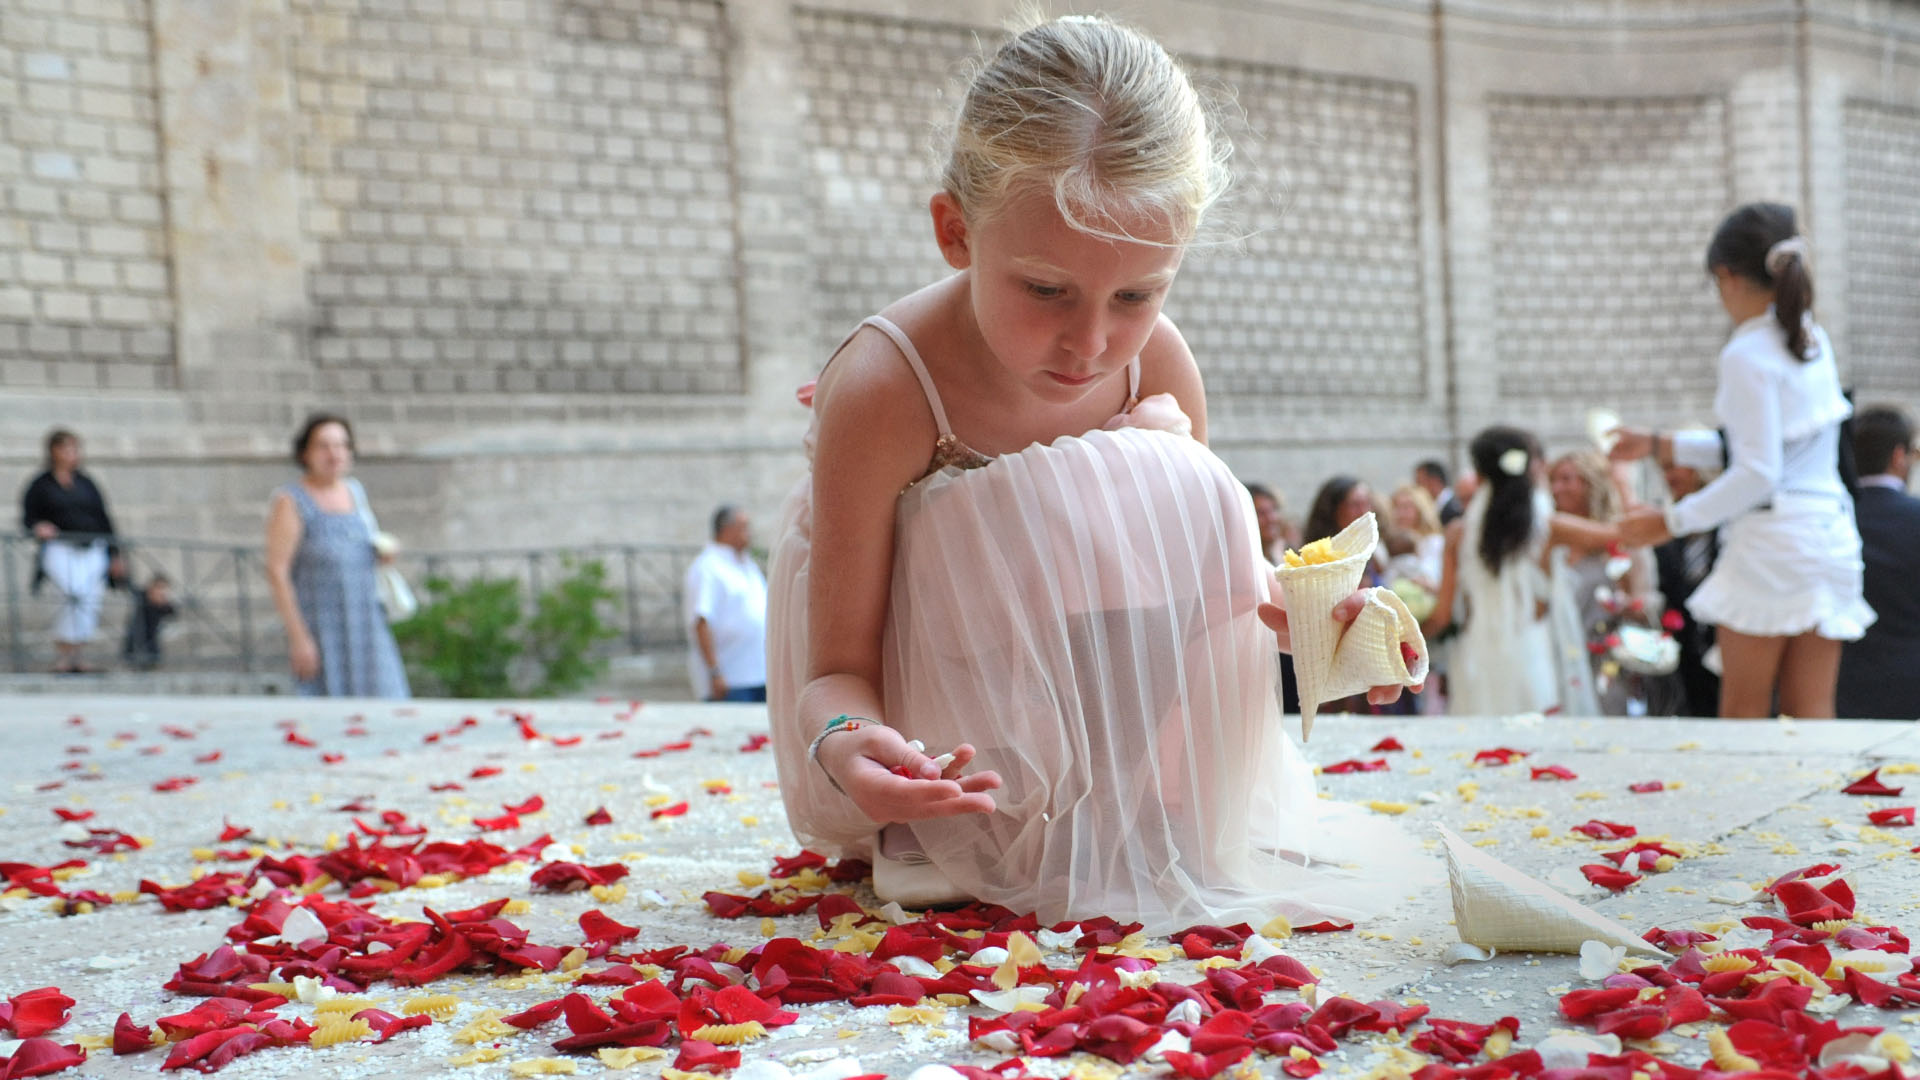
column 906, row 876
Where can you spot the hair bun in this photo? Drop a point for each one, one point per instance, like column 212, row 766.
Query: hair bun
column 1793, row 247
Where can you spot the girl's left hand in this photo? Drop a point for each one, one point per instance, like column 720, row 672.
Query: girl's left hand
column 1275, row 617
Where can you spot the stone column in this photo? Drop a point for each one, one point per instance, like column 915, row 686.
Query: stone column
column 779, row 324
column 228, row 132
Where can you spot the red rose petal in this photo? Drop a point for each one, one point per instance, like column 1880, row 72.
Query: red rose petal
column 676, row 810
column 1607, row 877
column 37, row 1012
column 38, row 1057
column 1386, row 745
column 1554, row 772
column 1355, row 765
column 1499, row 755
column 1899, row 815
column 129, row 1037
column 598, row 926
column 600, row 817
column 1870, row 784
column 1647, row 787
column 1606, row 830
column 533, row 805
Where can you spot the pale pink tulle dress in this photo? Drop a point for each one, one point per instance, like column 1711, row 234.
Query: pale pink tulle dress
column 1083, row 614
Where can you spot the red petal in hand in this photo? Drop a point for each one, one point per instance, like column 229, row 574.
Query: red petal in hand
column 1554, row 772
column 1870, row 784
column 1899, row 815
column 37, row 1012
column 1607, row 877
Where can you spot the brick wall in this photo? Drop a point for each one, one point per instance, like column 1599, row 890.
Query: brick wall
column 564, row 260
column 1601, row 212
column 518, row 197
column 1883, row 247
column 84, row 296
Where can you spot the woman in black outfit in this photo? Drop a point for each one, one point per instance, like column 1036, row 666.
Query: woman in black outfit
column 64, row 510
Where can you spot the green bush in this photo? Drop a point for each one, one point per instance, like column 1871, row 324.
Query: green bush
column 469, row 640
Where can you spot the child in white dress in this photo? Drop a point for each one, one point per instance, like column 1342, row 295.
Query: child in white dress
column 1014, row 545
column 1494, row 578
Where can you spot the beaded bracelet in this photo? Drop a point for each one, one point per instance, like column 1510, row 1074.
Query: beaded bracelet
column 843, row 722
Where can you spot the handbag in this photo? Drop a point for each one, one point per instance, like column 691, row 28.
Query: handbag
column 397, row 600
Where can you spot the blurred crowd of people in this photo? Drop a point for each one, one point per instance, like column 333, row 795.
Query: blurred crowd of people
column 1535, row 596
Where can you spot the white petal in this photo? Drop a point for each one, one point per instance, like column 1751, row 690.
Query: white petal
column 1570, row 1051
column 302, row 926
column 1599, row 959
column 913, row 965
column 1060, row 940
column 1258, row 948
column 1006, row 1001
column 1172, row 1040
column 1463, row 953
column 991, row 956
column 1187, row 1010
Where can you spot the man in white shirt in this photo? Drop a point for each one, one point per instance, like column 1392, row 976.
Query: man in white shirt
column 725, row 598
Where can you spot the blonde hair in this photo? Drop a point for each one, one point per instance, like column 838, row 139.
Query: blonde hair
column 1603, row 499
column 1096, row 113
column 1426, row 514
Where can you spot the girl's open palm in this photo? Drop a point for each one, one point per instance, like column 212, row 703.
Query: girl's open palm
column 868, row 764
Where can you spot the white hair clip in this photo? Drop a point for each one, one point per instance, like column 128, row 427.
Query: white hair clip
column 1514, row 462
column 1778, row 254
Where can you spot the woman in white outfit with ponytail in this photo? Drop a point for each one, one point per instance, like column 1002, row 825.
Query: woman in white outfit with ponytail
column 1786, row 590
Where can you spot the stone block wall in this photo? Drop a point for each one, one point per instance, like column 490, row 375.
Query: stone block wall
column 564, row 261
column 85, row 300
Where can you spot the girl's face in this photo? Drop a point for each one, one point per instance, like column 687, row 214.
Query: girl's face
column 329, row 453
column 1061, row 311
column 1405, row 514
column 65, row 454
column 1570, row 492
column 1351, row 508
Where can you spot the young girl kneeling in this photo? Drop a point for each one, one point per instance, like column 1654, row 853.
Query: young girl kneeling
column 1015, row 546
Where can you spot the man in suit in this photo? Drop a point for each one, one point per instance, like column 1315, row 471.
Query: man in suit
column 1880, row 673
column 1682, row 563
column 1432, row 476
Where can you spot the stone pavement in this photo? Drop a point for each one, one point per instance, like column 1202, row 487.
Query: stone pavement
column 1744, row 802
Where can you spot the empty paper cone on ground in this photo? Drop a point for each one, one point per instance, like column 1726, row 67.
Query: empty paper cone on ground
column 1498, row 907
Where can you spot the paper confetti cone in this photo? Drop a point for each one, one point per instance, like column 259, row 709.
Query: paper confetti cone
column 1498, row 907
column 1328, row 663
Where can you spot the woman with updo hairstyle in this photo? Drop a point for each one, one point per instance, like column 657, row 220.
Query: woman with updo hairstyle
column 1785, row 591
column 1504, row 661
column 321, row 564
column 1594, row 591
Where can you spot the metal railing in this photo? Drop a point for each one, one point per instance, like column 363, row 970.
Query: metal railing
column 225, row 620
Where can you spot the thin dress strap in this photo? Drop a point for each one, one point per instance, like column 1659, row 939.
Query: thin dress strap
column 905, row 344
column 1133, row 381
